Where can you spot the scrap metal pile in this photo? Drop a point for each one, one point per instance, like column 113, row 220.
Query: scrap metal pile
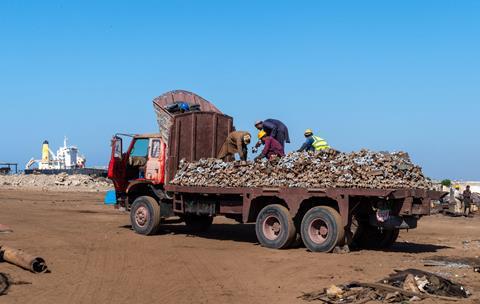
column 55, row 182
column 400, row 287
column 323, row 169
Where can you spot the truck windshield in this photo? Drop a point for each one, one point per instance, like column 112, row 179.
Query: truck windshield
column 140, row 148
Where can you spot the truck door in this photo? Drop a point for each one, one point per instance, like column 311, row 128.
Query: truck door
column 155, row 164
column 116, row 167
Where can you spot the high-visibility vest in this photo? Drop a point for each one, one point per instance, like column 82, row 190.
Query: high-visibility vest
column 319, row 143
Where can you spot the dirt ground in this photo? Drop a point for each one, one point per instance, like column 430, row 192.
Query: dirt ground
column 94, row 257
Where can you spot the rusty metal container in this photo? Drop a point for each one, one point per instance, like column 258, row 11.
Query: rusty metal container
column 191, row 135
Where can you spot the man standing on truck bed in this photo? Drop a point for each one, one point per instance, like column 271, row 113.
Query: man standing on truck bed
column 272, row 147
column 274, row 128
column 313, row 143
column 236, row 142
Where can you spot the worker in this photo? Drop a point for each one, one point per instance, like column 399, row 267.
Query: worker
column 274, row 128
column 455, row 199
column 467, row 201
column 313, row 143
column 236, row 142
column 272, row 147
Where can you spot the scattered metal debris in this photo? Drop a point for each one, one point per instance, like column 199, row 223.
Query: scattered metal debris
column 452, row 262
column 20, row 258
column 5, row 229
column 4, row 283
column 408, row 285
column 327, row 168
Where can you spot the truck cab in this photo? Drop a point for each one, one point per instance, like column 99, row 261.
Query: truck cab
column 142, row 165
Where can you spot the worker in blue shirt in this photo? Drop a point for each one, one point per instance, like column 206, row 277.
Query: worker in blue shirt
column 313, row 143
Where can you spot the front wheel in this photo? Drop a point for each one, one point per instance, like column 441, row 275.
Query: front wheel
column 322, row 229
column 274, row 227
column 145, row 215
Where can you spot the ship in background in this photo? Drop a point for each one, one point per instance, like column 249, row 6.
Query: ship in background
column 67, row 160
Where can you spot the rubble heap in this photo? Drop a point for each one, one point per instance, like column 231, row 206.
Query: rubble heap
column 400, row 287
column 57, row 182
column 324, row 169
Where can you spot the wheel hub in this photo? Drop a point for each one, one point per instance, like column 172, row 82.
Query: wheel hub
column 141, row 216
column 272, row 227
column 318, row 231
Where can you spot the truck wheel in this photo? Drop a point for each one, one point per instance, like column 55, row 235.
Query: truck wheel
column 198, row 223
column 274, row 227
column 145, row 215
column 322, row 229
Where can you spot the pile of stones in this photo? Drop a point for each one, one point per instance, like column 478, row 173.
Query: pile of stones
column 324, row 169
column 57, row 182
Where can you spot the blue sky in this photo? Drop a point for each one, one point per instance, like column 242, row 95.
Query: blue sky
column 384, row 75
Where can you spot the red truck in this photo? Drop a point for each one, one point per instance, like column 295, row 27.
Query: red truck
column 323, row 217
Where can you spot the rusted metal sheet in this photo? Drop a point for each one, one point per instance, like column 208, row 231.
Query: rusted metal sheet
column 186, row 96
column 20, row 258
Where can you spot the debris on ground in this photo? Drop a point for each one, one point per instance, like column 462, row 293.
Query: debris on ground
column 6, row 282
column 452, row 262
column 322, row 169
column 55, row 182
column 408, row 285
column 22, row 259
column 5, row 229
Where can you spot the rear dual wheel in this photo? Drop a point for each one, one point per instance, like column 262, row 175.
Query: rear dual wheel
column 322, row 229
column 274, row 227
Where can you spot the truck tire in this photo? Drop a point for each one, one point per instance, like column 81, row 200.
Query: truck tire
column 145, row 215
column 198, row 223
column 370, row 237
column 274, row 227
column 322, row 229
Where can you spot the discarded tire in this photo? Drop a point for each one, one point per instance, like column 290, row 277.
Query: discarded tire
column 198, row 223
column 322, row 229
column 274, row 227
column 145, row 215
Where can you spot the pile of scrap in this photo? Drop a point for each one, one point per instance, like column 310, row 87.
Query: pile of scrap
column 323, row 169
column 55, row 182
column 408, row 285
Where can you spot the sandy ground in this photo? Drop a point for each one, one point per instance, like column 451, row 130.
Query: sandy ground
column 94, row 257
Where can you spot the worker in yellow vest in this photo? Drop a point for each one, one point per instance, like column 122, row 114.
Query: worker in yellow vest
column 313, row 143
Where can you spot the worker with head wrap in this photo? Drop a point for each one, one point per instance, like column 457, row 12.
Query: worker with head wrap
column 274, row 128
column 236, row 143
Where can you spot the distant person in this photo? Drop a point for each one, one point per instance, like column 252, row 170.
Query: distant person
column 272, row 147
column 274, row 128
column 467, row 201
column 313, row 143
column 236, row 143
